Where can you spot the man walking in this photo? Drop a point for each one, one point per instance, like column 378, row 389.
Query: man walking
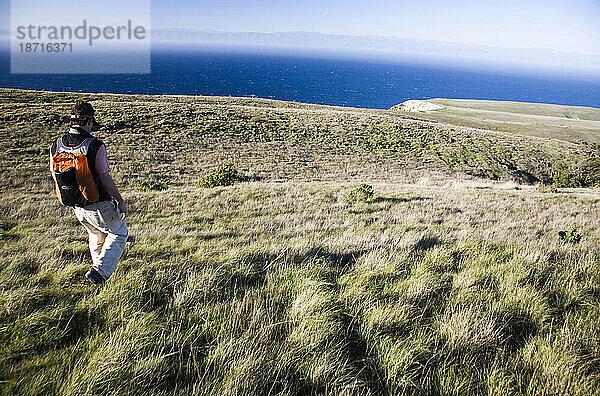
column 79, row 166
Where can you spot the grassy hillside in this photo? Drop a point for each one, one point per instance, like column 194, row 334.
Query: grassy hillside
column 271, row 140
column 278, row 285
column 569, row 123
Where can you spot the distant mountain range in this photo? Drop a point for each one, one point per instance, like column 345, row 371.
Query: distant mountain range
column 371, row 47
column 383, row 46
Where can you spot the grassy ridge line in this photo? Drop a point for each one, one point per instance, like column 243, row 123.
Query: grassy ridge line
column 329, row 110
column 185, row 136
column 568, row 123
column 17, row 95
column 527, row 108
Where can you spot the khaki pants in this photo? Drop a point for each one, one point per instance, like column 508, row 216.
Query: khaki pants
column 107, row 234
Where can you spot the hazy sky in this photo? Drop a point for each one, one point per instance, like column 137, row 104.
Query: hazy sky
column 554, row 24
column 564, row 25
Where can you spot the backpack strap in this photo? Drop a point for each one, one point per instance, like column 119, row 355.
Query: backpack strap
column 82, row 147
column 92, row 152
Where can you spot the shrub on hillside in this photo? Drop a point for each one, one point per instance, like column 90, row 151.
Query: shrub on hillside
column 590, row 171
column 586, row 174
column 362, row 193
column 154, row 184
column 571, row 235
column 564, row 176
column 546, row 188
column 225, row 175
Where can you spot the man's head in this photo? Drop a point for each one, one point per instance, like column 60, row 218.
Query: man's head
column 82, row 114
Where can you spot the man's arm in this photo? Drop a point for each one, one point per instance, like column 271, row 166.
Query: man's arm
column 110, row 186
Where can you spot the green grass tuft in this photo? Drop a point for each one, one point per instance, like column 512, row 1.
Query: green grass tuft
column 361, row 193
column 225, row 175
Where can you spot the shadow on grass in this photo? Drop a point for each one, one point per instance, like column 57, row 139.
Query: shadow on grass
column 426, row 243
column 340, row 261
column 9, row 236
column 249, row 272
column 7, row 225
column 209, row 236
column 74, row 255
column 395, row 200
column 361, row 356
column 518, row 328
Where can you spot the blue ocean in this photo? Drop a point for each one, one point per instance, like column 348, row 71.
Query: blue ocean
column 315, row 79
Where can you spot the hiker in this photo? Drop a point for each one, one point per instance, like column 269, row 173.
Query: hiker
column 79, row 167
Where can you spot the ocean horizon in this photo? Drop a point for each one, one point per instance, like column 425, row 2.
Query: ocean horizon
column 316, row 79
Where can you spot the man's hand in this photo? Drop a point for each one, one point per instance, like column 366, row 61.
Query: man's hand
column 123, row 209
column 111, row 188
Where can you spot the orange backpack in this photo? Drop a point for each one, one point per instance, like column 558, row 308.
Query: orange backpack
column 73, row 179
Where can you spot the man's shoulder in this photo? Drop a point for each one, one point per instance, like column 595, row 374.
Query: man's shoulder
column 55, row 143
column 96, row 143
